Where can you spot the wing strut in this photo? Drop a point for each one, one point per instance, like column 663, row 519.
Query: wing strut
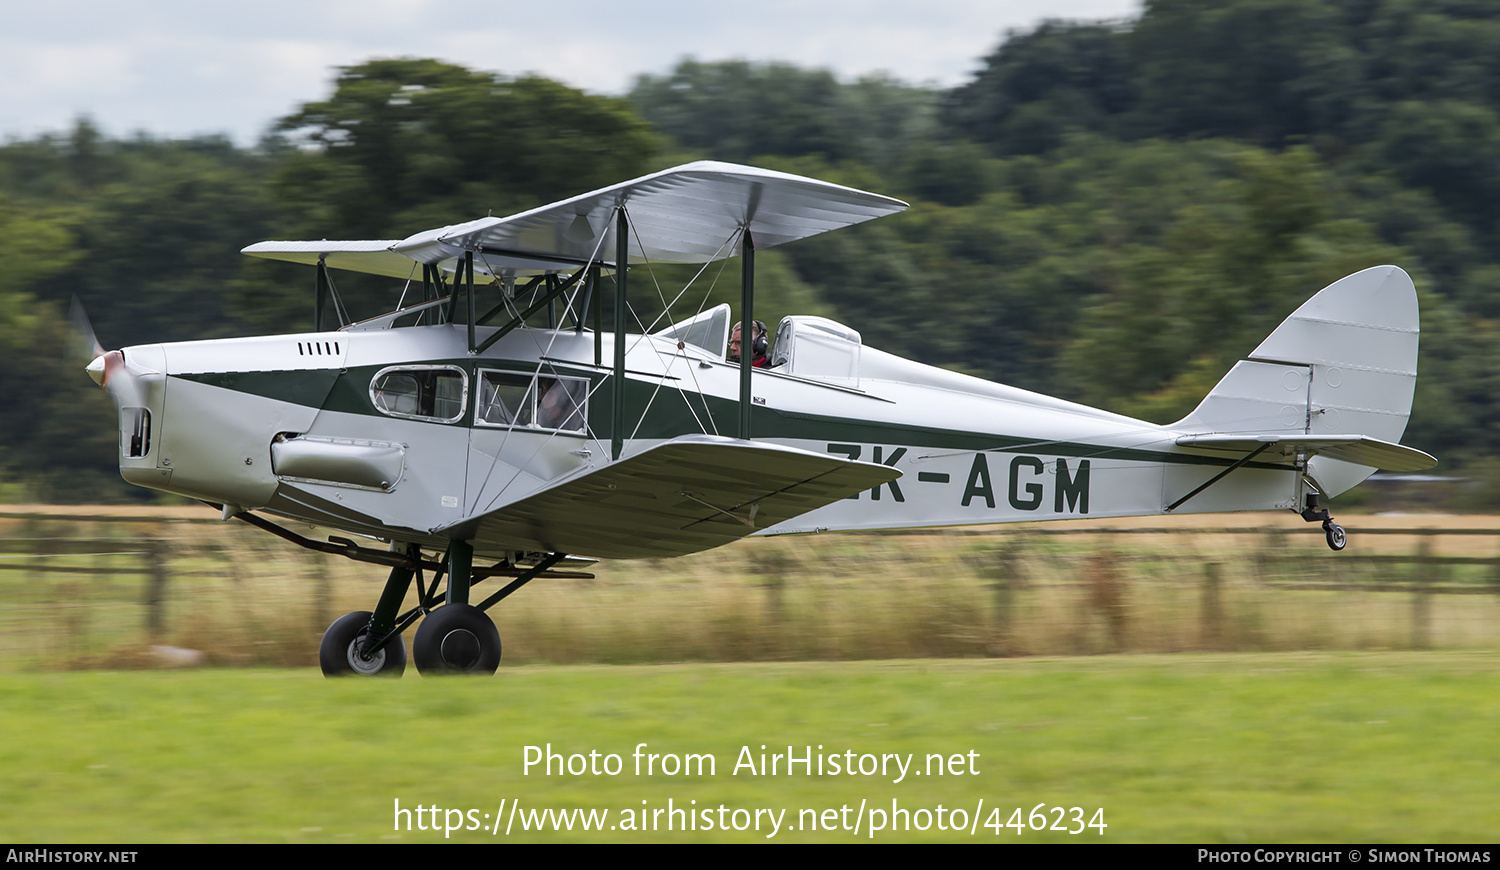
column 469, row 297
column 522, row 580
column 747, row 326
column 1217, row 477
column 622, row 265
column 325, row 291
column 545, row 301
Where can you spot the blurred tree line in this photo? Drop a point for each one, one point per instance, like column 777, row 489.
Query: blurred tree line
column 1112, row 212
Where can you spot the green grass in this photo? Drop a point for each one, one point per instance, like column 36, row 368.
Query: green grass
column 1358, row 747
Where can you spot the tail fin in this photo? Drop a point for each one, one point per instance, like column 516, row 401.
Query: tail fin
column 1345, row 363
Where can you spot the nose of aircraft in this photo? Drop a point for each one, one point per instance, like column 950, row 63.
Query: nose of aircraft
column 109, row 371
column 104, row 365
column 107, row 367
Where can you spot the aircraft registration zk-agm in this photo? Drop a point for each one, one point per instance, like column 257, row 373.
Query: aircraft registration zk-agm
column 495, row 427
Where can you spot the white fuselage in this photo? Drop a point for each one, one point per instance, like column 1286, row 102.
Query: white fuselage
column 970, row 451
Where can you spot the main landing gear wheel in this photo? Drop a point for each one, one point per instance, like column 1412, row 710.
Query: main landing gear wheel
column 456, row 639
column 340, row 654
column 1335, row 535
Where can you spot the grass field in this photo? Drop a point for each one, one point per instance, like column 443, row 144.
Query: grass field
column 1201, row 748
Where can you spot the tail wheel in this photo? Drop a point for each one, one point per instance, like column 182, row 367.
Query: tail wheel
column 456, row 639
column 1335, row 535
column 342, row 653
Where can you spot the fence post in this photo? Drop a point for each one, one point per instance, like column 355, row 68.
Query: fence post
column 1422, row 596
column 1003, row 570
column 1107, row 592
column 1265, row 555
column 44, row 547
column 1212, row 614
column 771, row 566
column 156, row 588
column 322, row 598
column 1495, row 574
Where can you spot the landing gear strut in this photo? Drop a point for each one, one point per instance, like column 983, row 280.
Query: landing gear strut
column 456, row 638
column 1332, row 531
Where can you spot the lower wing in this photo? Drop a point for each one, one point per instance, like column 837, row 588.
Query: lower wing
column 686, row 495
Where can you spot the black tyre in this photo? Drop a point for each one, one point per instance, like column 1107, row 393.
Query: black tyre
column 1335, row 535
column 339, row 654
column 456, row 639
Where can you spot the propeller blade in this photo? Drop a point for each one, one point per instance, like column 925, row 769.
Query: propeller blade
column 85, row 341
column 108, row 369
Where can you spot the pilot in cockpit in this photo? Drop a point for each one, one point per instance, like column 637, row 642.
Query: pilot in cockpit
column 758, row 345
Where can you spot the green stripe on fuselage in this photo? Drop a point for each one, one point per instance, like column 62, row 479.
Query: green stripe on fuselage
column 307, row 387
column 668, row 415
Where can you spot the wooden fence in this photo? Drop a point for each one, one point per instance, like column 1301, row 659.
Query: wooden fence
column 101, row 590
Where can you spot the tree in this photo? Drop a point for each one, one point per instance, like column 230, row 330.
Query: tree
column 404, row 145
column 161, row 251
column 741, row 111
column 1176, row 315
column 1451, row 149
column 58, row 430
column 1265, row 71
column 1037, row 87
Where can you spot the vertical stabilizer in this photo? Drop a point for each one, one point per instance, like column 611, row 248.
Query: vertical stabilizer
column 1345, row 363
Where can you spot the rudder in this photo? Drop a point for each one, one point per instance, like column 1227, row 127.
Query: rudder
column 1345, row 362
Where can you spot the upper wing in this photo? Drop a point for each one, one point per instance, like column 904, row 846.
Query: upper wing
column 686, row 495
column 1358, row 449
column 687, row 214
column 373, row 256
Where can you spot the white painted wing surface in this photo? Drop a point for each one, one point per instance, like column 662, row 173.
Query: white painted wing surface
column 687, row 495
column 686, row 214
column 380, row 257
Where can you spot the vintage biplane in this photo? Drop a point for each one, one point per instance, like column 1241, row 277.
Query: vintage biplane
column 493, row 427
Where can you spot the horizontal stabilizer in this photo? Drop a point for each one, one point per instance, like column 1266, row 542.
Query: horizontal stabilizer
column 1356, row 449
column 686, row 495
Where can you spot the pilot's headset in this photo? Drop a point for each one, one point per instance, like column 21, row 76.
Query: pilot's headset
column 759, row 345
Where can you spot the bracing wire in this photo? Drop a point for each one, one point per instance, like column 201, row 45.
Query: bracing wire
column 542, row 353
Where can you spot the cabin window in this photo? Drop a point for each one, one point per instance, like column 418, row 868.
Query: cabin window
column 816, row 347
column 505, row 400
column 511, row 399
column 437, row 393
column 709, row 330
